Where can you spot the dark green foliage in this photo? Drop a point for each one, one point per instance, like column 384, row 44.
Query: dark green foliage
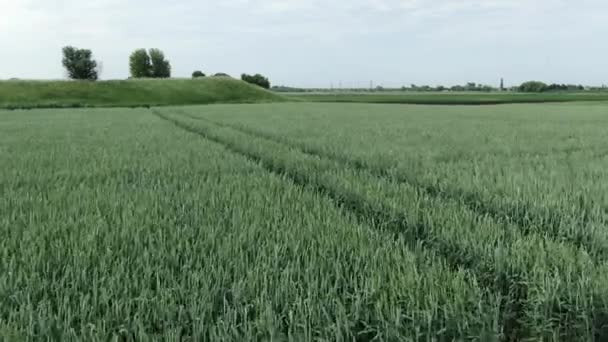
column 140, row 64
column 79, row 64
column 564, row 87
column 152, row 64
column 256, row 79
column 161, row 68
column 221, row 74
column 198, row 74
column 532, row 87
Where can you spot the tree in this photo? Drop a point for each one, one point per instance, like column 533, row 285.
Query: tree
column 79, row 64
column 471, row 86
column 161, row 68
column 152, row 64
column 533, row 87
column 198, row 74
column 221, row 74
column 140, row 64
column 256, row 79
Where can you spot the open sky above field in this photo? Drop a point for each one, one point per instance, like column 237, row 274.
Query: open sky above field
column 315, row 43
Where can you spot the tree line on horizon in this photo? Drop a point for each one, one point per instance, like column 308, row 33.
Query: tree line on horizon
column 151, row 63
column 526, row 87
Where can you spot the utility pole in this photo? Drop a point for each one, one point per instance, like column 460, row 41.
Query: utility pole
column 502, row 85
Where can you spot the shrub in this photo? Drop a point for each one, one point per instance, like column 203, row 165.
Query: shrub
column 256, row 79
column 221, row 74
column 198, row 74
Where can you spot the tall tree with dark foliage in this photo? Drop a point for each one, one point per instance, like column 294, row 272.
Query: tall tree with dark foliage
column 79, row 64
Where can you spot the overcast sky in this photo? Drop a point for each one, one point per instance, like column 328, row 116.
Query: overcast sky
column 317, row 42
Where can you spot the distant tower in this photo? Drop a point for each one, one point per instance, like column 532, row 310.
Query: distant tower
column 502, row 85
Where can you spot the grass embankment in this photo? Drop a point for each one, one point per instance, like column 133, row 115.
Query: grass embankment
column 129, row 93
column 449, row 98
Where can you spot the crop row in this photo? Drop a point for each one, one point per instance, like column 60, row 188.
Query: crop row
column 541, row 166
column 123, row 227
column 528, row 217
column 546, row 288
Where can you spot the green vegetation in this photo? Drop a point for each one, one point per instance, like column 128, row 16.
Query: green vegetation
column 161, row 68
column 451, row 98
column 533, row 87
column 256, row 79
column 79, row 64
column 152, row 64
column 197, row 74
column 129, row 93
column 305, row 222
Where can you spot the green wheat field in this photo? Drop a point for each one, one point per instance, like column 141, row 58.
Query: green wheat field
column 305, row 222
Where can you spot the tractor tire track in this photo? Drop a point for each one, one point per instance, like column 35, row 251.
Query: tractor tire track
column 509, row 284
column 530, row 220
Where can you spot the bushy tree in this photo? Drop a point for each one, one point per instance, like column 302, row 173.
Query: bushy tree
column 221, row 74
column 256, row 79
column 79, row 64
column 198, row 74
column 149, row 64
column 161, row 68
column 140, row 64
column 532, row 87
column 470, row 86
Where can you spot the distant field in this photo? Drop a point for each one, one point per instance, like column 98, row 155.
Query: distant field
column 305, row 222
column 129, row 93
column 448, row 98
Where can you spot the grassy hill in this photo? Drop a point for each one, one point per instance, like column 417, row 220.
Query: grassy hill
column 129, row 93
column 457, row 98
